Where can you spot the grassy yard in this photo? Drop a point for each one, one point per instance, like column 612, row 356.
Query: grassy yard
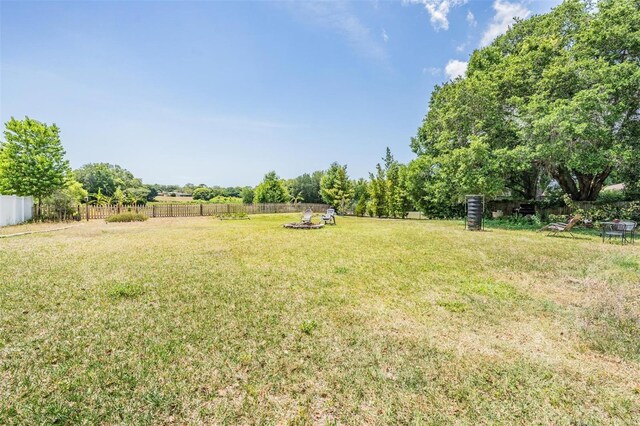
column 373, row 321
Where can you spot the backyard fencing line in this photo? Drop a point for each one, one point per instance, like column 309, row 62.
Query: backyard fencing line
column 14, row 209
column 90, row 211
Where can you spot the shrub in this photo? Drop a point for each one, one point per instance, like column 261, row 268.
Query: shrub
column 558, row 218
column 127, row 217
column 202, row 194
column 610, row 211
column 606, row 197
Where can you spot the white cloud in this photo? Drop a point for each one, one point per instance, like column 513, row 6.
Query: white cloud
column 471, row 20
column 455, row 68
column 438, row 10
column 339, row 17
column 505, row 13
column 462, row 47
column 385, row 36
column 431, row 70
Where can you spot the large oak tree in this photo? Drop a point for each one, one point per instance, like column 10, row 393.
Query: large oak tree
column 558, row 94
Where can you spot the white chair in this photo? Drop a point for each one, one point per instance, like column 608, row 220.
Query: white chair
column 306, row 216
column 329, row 217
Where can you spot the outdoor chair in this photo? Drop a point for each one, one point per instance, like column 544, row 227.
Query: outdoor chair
column 329, row 217
column 630, row 229
column 556, row 228
column 306, row 217
column 625, row 230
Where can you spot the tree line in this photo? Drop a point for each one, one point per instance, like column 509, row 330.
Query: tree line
column 33, row 163
column 555, row 101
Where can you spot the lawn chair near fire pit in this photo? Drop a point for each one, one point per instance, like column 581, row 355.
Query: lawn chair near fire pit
column 306, row 217
column 329, row 217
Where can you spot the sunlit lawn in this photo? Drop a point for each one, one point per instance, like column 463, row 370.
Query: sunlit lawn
column 198, row 320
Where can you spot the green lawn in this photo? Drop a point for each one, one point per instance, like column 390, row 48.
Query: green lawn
column 197, row 320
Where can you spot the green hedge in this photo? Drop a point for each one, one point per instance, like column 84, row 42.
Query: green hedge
column 127, row 217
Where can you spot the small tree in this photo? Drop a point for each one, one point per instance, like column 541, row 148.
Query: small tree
column 378, row 192
column 202, row 193
column 298, row 198
column 63, row 203
column 138, row 195
column 119, row 196
column 336, row 188
column 271, row 190
column 32, row 160
column 361, row 206
column 247, row 195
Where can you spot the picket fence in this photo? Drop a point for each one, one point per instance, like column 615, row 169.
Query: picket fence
column 14, row 209
column 90, row 211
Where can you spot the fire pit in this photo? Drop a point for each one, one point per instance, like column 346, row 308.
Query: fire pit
column 298, row 225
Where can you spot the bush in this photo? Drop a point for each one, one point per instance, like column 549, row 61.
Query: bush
column 202, row 194
column 610, row 211
column 127, row 217
column 606, row 197
column 559, row 218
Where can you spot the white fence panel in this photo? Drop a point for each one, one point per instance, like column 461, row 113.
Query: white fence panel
column 14, row 209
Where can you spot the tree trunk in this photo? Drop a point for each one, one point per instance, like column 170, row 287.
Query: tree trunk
column 579, row 186
column 525, row 183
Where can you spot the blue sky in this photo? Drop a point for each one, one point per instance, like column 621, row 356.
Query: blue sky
column 222, row 92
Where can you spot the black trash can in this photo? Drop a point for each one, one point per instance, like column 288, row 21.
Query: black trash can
column 475, row 212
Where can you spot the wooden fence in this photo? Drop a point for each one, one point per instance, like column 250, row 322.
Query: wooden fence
column 90, row 211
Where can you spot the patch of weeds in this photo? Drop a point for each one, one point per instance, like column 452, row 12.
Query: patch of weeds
column 492, row 289
column 245, row 358
column 308, row 326
column 627, row 263
column 125, row 290
column 614, row 330
column 340, row 270
column 456, row 307
column 550, row 306
column 233, row 216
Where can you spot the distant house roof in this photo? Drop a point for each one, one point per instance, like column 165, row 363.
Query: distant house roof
column 616, row 187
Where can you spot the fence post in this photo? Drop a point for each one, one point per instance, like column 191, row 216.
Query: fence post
column 153, row 210
column 87, row 209
column 201, row 212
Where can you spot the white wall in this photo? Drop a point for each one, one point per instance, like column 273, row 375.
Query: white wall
column 14, row 209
